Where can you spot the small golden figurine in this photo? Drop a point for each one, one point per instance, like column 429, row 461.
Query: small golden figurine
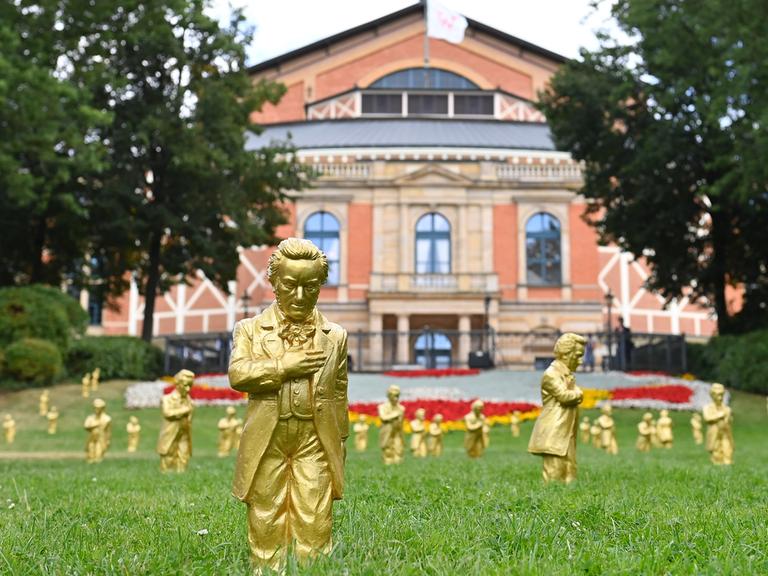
column 99, row 427
column 95, row 375
column 175, row 442
column 554, row 434
column 435, row 438
column 584, row 429
column 418, row 435
column 607, row 430
column 664, row 429
column 44, row 397
column 228, row 432
column 391, row 414
column 360, row 428
column 514, row 424
column 696, row 428
column 9, row 428
column 474, row 438
column 644, row 430
column 486, row 433
column 86, row 385
column 654, row 434
column 133, row 428
column 293, row 364
column 53, row 420
column 719, row 418
column 594, row 433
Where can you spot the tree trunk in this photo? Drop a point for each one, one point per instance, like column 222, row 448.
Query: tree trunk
column 150, row 291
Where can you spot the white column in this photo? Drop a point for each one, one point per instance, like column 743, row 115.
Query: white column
column 375, row 342
column 133, row 304
column 403, row 265
column 403, row 326
column 181, row 305
column 465, row 325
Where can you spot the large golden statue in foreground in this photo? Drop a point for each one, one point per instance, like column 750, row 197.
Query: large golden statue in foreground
column 554, row 433
column 391, row 414
column 719, row 433
column 99, row 427
column 175, row 442
column 292, row 363
column 475, row 438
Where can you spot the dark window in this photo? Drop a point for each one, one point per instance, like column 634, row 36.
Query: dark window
column 433, row 244
column 542, row 249
column 478, row 104
column 433, row 350
column 322, row 229
column 382, row 104
column 427, row 104
column 420, row 78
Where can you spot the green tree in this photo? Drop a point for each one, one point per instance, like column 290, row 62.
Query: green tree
column 670, row 124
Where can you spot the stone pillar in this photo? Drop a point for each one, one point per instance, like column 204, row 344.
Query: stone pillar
column 375, row 341
column 403, row 326
column 465, row 325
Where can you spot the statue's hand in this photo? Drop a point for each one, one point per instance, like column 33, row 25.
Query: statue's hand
column 298, row 364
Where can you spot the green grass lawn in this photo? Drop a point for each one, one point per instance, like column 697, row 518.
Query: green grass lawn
column 667, row 512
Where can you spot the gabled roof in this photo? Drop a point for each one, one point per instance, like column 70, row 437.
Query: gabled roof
column 394, row 16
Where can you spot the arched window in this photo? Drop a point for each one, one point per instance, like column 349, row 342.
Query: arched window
column 433, row 350
column 322, row 228
column 542, row 249
column 424, row 78
column 433, row 244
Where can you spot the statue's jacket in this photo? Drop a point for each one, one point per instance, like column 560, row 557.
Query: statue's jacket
column 558, row 421
column 254, row 368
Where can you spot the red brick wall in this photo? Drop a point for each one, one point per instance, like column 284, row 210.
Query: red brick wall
column 360, row 246
column 585, row 261
column 289, row 109
column 505, row 248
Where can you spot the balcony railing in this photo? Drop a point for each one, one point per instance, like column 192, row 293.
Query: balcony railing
column 351, row 171
column 539, row 172
column 443, row 283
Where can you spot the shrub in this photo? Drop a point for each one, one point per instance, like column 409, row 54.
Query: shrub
column 736, row 361
column 116, row 356
column 40, row 312
column 32, row 361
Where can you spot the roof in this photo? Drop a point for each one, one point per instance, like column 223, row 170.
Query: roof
column 406, row 132
column 389, row 18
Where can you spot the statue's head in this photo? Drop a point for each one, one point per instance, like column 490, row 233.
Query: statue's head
column 421, row 414
column 361, row 418
column 231, row 411
column 7, row 417
column 647, row 416
column 606, row 409
column 297, row 270
column 438, row 418
column 569, row 349
column 183, row 381
column 133, row 420
column 664, row 413
column 99, row 405
column 393, row 393
column 585, row 419
column 477, row 406
column 717, row 392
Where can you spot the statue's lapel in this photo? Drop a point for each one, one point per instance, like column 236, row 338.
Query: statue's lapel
column 271, row 342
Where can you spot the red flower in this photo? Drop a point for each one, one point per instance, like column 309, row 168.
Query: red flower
column 433, row 372
column 674, row 393
column 450, row 409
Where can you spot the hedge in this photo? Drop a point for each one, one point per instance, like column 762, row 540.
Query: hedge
column 32, row 361
column 116, row 356
column 735, row 361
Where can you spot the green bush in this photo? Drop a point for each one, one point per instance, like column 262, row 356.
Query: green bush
column 32, row 361
column 116, row 356
column 736, row 361
column 40, row 312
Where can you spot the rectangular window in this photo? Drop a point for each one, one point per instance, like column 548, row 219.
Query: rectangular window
column 428, row 104
column 383, row 103
column 473, row 104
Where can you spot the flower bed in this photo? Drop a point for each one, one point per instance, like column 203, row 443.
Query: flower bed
column 433, row 372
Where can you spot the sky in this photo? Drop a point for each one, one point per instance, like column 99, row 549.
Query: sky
column 562, row 26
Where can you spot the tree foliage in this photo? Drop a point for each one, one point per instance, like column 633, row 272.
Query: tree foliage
column 670, row 124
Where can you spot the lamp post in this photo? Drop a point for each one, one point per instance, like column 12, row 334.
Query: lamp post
column 609, row 305
column 245, row 299
column 486, row 323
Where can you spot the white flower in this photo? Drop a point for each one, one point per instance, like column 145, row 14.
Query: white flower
column 202, row 532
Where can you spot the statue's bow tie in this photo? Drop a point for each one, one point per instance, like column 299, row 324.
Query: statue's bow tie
column 297, row 334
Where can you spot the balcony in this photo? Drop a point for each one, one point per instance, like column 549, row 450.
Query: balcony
column 434, row 283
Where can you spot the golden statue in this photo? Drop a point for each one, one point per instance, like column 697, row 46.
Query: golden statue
column 95, row 375
column 514, row 424
column 475, row 436
column 435, row 438
column 584, row 429
column 664, row 429
column 486, row 434
column 9, row 428
column 53, row 420
column 607, row 430
column 44, row 397
column 292, row 362
column 418, row 435
column 99, row 427
column 594, row 433
column 696, row 427
column 175, row 442
column 228, row 432
column 134, row 429
column 654, row 434
column 391, row 414
column 645, row 430
column 86, row 385
column 360, row 428
column 718, row 417
column 554, row 434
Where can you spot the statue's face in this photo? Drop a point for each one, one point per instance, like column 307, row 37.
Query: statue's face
column 717, row 396
column 394, row 397
column 183, row 384
column 477, row 409
column 297, row 287
column 574, row 357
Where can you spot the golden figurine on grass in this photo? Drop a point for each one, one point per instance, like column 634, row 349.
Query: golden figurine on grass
column 360, row 428
column 719, row 418
column 475, row 437
column 391, row 414
column 514, row 424
column 554, row 433
column 53, row 420
column 99, row 428
column 85, row 385
column 228, row 432
column 664, row 429
column 696, row 427
column 95, row 375
column 175, row 442
column 584, row 428
column 133, row 428
column 607, row 430
column 292, row 362
column 418, row 435
column 44, row 398
column 9, row 428
column 435, row 436
column 594, row 433
column 644, row 433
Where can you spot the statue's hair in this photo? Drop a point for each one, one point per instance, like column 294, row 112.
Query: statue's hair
column 393, row 389
column 99, row 403
column 184, row 373
column 568, row 342
column 477, row 403
column 716, row 388
column 297, row 249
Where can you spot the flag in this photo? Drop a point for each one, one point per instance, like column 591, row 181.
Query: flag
column 444, row 23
